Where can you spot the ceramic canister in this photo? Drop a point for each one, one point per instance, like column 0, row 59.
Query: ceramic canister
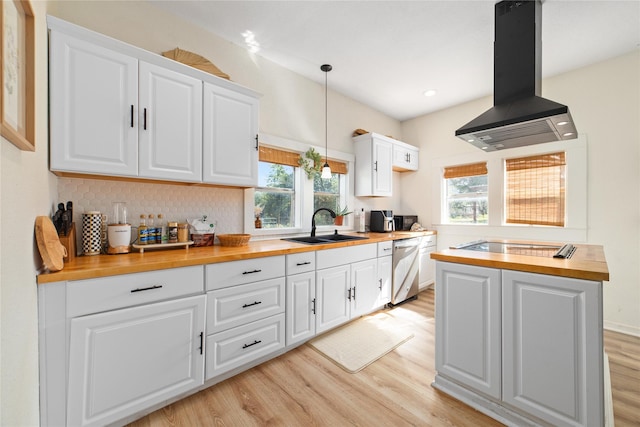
column 91, row 233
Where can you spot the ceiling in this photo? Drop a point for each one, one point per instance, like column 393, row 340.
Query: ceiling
column 386, row 54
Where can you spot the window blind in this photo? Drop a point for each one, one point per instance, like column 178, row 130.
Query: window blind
column 461, row 171
column 535, row 190
column 290, row 158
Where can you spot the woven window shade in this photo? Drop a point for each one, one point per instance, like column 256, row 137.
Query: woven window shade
column 281, row 157
column 289, row 158
column 535, row 190
column 461, row 171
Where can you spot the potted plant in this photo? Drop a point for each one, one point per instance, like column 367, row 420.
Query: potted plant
column 340, row 214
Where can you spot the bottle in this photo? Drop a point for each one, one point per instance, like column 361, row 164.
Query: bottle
column 361, row 228
column 151, row 229
column 172, row 231
column 143, row 231
column 161, row 228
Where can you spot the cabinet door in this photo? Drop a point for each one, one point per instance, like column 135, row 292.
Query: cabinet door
column 382, row 172
column 333, row 287
column 468, row 326
column 553, row 358
column 405, row 158
column 123, row 361
column 301, row 307
column 364, row 287
column 385, row 273
column 230, row 133
column 170, row 124
column 93, row 108
column 427, row 267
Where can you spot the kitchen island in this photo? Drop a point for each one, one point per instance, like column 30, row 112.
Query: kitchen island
column 519, row 332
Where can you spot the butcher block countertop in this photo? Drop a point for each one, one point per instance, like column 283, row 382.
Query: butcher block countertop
column 89, row 267
column 588, row 261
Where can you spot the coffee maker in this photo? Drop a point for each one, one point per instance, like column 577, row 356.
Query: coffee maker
column 119, row 231
column 381, row 221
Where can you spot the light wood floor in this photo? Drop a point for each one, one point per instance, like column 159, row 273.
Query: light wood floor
column 303, row 388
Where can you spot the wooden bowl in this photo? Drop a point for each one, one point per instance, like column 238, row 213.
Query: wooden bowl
column 234, row 239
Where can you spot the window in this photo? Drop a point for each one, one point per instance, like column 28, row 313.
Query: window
column 274, row 198
column 285, row 198
column 466, row 194
column 535, row 190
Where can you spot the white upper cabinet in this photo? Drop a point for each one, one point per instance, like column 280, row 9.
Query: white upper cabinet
column 93, row 108
column 117, row 110
column 170, row 124
column 373, row 165
column 230, row 134
column 405, row 157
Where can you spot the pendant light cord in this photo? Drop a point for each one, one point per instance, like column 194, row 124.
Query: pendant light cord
column 326, row 170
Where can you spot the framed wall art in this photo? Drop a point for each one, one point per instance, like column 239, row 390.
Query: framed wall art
column 17, row 91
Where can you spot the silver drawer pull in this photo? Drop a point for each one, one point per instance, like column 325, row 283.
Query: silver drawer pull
column 252, row 304
column 146, row 289
column 386, row 249
column 253, row 343
column 304, row 263
column 251, row 272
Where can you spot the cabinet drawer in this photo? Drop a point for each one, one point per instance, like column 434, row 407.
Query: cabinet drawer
column 237, row 305
column 301, row 263
column 227, row 274
column 235, row 347
column 346, row 255
column 385, row 248
column 126, row 290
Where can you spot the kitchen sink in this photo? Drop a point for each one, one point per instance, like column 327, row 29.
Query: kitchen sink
column 330, row 238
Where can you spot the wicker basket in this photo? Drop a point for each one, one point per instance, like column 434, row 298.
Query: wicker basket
column 203, row 239
column 234, row 239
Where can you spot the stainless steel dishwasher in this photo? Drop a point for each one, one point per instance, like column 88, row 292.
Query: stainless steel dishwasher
column 406, row 269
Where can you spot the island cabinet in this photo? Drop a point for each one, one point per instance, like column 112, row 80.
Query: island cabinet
column 245, row 312
column 524, row 347
column 112, row 347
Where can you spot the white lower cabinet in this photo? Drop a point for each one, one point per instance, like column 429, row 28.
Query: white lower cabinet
column 364, row 287
column 123, row 361
column 333, row 290
column 385, row 275
column 301, row 307
column 524, row 347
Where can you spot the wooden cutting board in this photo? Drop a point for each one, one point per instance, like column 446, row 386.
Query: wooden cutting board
column 51, row 250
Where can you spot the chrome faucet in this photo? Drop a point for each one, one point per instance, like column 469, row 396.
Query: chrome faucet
column 313, row 219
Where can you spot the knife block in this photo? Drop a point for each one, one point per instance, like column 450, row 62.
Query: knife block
column 69, row 242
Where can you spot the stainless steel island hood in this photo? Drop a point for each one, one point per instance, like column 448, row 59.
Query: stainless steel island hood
column 520, row 116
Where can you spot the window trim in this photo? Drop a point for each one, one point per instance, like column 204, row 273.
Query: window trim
column 575, row 228
column 304, row 197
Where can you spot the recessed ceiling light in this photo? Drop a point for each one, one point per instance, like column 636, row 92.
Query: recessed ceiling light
column 562, row 123
column 567, row 134
column 429, row 92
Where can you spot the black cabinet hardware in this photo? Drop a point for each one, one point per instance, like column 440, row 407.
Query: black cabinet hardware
column 146, row 289
column 257, row 142
column 252, row 304
column 253, row 343
column 251, row 272
column 380, row 286
column 313, row 306
column 375, row 166
column 354, row 292
column 131, row 115
column 304, row 263
column 349, row 294
column 145, row 119
column 201, row 341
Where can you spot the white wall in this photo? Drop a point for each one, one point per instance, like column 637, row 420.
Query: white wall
column 604, row 100
column 26, row 188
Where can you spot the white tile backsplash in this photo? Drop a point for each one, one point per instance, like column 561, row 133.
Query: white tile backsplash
column 174, row 202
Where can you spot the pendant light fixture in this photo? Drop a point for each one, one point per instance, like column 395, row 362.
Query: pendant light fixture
column 326, row 170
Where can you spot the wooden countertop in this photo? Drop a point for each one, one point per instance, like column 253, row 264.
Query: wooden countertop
column 88, row 267
column 588, row 261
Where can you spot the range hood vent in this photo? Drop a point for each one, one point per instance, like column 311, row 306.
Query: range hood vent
column 519, row 116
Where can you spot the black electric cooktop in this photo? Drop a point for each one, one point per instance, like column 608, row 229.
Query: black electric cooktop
column 530, row 249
